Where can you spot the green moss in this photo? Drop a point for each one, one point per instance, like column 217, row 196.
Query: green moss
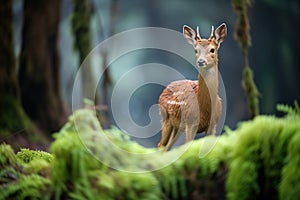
column 35, row 161
column 251, row 91
column 24, row 180
column 14, row 117
column 242, row 32
column 81, row 28
column 259, row 156
column 81, row 141
column 200, row 171
column 258, row 160
column 26, row 187
column 27, row 155
column 136, row 186
column 14, row 120
column 289, row 187
column 7, row 155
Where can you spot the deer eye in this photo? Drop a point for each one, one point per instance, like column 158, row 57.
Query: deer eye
column 212, row 50
column 195, row 51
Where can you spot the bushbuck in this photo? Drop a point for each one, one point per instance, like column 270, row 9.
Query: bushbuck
column 194, row 106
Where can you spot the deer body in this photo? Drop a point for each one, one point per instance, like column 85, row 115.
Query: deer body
column 193, row 106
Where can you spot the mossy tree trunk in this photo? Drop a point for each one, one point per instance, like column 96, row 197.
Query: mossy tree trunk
column 82, row 43
column 39, row 75
column 16, row 127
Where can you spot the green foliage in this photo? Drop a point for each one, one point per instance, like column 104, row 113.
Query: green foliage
column 81, row 142
column 22, row 176
column 27, row 155
column 288, row 109
column 14, row 118
column 289, row 187
column 200, row 171
column 136, row 186
column 7, row 155
column 258, row 160
column 26, row 187
column 35, row 161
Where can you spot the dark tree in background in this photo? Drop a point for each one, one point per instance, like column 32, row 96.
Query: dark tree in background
column 82, row 43
column 106, row 80
column 40, row 64
column 15, row 126
column 277, row 46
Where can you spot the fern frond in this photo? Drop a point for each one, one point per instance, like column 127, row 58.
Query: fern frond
column 289, row 109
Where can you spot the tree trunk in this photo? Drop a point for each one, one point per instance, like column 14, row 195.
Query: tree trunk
column 16, row 127
column 40, row 63
column 82, row 42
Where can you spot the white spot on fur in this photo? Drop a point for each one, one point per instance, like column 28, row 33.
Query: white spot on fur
column 176, row 102
column 177, row 93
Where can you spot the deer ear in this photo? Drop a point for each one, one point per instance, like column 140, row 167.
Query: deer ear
column 221, row 33
column 189, row 35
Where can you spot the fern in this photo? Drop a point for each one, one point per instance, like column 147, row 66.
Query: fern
column 289, row 109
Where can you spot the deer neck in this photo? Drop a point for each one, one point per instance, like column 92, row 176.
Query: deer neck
column 208, row 84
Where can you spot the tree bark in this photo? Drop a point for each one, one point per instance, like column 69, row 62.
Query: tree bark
column 39, row 75
column 82, row 43
column 16, row 127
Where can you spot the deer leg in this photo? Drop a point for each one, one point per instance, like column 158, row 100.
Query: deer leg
column 213, row 122
column 165, row 133
column 190, row 132
column 174, row 136
column 212, row 129
column 171, row 139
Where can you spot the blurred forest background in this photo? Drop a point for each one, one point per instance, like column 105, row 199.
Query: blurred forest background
column 44, row 42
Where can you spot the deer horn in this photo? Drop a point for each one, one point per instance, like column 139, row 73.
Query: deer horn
column 212, row 33
column 198, row 34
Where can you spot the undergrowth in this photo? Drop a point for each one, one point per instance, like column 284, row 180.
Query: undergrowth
column 258, row 160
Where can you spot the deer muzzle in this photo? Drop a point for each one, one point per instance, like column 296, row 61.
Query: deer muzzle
column 202, row 62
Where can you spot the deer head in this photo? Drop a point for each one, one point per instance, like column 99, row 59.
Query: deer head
column 206, row 49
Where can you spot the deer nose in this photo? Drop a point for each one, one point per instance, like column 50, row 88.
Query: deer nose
column 201, row 62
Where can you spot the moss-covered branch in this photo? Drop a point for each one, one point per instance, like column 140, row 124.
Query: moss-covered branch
column 242, row 35
column 259, row 160
column 81, row 30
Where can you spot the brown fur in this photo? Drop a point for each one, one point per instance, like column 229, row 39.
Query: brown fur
column 193, row 106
